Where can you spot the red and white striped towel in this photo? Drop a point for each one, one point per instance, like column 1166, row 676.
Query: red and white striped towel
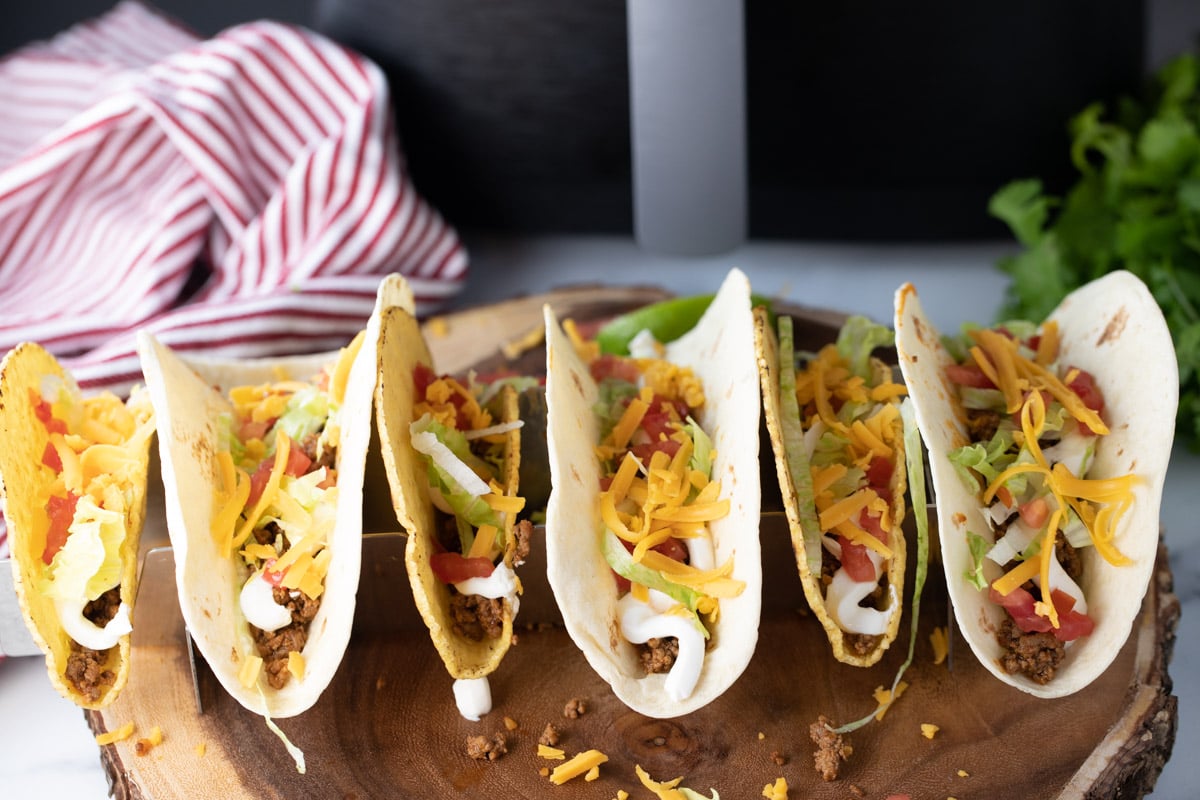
column 240, row 196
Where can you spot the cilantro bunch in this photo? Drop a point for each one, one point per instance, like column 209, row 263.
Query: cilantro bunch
column 1135, row 206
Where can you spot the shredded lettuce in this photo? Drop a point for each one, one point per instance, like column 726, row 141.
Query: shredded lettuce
column 306, row 413
column 979, row 548
column 988, row 460
column 702, row 449
column 468, row 508
column 623, row 564
column 794, row 449
column 982, row 399
column 610, row 403
column 89, row 563
column 858, row 338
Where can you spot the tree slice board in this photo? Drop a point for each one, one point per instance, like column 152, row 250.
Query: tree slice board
column 387, row 726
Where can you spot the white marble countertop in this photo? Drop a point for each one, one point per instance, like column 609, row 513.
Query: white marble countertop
column 47, row 750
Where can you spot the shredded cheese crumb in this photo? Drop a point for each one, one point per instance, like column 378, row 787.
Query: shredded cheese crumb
column 962, row 773
column 510, row 723
column 929, row 730
column 544, row 772
column 119, row 735
column 940, row 641
column 248, row 674
column 144, row 746
column 885, row 698
column 437, row 326
column 761, row 736
column 546, row 751
column 295, row 665
column 201, row 749
column 577, row 766
column 592, row 774
column 622, row 794
column 777, row 790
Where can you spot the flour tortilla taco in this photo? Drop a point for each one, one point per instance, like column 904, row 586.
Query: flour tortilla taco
column 451, row 448
column 652, row 526
column 263, row 471
column 1048, row 447
column 73, row 475
column 838, row 439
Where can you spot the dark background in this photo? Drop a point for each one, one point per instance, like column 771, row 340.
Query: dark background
column 869, row 120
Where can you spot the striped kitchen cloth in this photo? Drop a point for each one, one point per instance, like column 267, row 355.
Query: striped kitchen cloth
column 239, row 196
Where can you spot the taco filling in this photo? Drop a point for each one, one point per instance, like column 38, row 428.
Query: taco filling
column 275, row 509
column 657, row 498
column 460, row 432
column 843, row 438
column 1034, row 424
column 95, row 455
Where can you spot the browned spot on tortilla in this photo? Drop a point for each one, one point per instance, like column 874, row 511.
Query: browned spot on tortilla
column 614, row 636
column 913, row 358
column 575, row 379
column 960, row 519
column 920, row 329
column 575, row 474
column 205, row 613
column 1112, row 331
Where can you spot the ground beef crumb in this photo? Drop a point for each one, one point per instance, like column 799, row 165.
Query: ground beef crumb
column 101, row 610
column 861, row 643
column 476, row 617
column 1068, row 556
column 522, row 534
column 658, row 655
column 85, row 671
column 576, row 707
column 831, row 748
column 779, row 758
column 482, row 748
column 982, row 424
column 274, row 646
column 1035, row 655
column 549, row 736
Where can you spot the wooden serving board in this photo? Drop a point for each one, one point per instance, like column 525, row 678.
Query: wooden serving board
column 387, row 726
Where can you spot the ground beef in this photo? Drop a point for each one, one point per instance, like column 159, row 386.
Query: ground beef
column 779, row 758
column 1068, row 556
column 861, row 643
column 575, row 708
column 85, row 671
column 274, row 646
column 658, row 655
column 549, row 736
column 982, row 424
column 522, row 534
column 831, row 750
column 85, row 667
column 476, row 617
column 482, row 748
column 1035, row 655
column 328, row 457
column 829, row 565
column 268, row 533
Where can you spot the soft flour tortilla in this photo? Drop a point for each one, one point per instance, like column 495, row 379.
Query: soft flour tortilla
column 189, row 397
column 767, row 347
column 720, row 350
column 25, row 486
column 1113, row 329
column 401, row 348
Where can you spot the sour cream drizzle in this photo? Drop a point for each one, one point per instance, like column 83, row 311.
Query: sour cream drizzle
column 473, row 697
column 88, row 633
column 641, row 622
column 258, row 604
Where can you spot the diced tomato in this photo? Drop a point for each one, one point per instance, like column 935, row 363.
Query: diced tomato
column 658, row 422
column 298, row 463
column 50, row 458
column 1033, row 342
column 879, row 473
column 454, row 568
column 61, row 511
column 610, row 366
column 1084, row 385
column 871, row 524
column 644, row 451
column 856, row 562
column 250, row 429
column 1004, row 495
column 258, row 481
column 422, row 377
column 1034, row 512
column 1020, row 606
column 45, row 413
column 673, row 549
column 270, row 576
column 969, row 375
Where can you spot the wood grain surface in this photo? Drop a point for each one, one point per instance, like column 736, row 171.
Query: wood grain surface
column 387, row 726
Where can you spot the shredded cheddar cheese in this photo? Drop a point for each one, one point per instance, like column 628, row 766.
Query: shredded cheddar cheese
column 249, row 671
column 777, row 790
column 552, row 753
column 885, row 698
column 579, row 765
column 940, row 642
column 296, row 665
column 119, row 735
column 929, row 730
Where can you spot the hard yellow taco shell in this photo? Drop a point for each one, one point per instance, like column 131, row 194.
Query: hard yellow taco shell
column 25, row 485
